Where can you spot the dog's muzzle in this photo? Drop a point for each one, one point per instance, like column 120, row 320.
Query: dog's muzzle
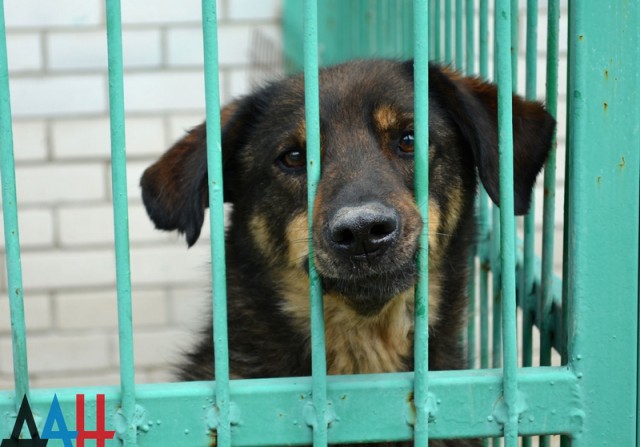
column 363, row 232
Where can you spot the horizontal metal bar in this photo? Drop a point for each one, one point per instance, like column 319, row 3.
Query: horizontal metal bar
column 368, row 408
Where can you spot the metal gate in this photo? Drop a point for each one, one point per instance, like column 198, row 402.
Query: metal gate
column 591, row 318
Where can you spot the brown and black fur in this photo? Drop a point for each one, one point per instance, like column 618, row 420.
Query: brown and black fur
column 366, row 222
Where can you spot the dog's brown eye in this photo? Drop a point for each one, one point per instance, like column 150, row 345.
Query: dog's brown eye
column 293, row 159
column 405, row 144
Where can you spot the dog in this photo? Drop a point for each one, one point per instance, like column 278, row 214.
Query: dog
column 366, row 224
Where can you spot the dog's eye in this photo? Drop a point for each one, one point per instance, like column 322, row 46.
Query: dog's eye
column 293, row 159
column 405, row 144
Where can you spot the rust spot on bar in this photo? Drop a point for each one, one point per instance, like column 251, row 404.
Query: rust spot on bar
column 598, row 180
column 622, row 163
column 606, row 106
column 412, row 408
column 213, row 434
column 606, row 74
column 581, row 37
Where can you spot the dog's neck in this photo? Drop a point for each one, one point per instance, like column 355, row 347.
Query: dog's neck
column 358, row 344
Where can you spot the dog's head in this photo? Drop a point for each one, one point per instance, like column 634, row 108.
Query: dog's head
column 366, row 222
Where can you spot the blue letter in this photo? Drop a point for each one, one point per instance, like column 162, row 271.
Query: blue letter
column 55, row 415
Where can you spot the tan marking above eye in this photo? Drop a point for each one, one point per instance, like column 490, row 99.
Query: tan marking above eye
column 385, row 118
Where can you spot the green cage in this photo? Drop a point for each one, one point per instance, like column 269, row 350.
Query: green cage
column 589, row 316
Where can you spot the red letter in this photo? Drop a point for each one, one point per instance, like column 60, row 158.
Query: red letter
column 99, row 434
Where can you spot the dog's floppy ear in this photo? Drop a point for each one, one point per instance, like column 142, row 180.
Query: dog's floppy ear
column 473, row 106
column 174, row 189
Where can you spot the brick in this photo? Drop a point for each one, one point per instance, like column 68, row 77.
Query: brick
column 158, row 348
column 134, row 174
column 170, row 264
column 93, row 225
column 164, row 91
column 162, row 12
column 65, row 379
column 179, row 125
column 150, row 266
column 190, row 307
column 60, row 183
column 24, row 52
column 29, row 140
column 252, row 10
column 37, row 313
column 184, row 47
column 58, row 353
column 35, row 97
column 35, row 228
column 165, row 12
column 91, row 310
column 90, row 138
column 68, row 269
column 85, row 50
column 234, row 44
column 238, row 84
column 36, row 13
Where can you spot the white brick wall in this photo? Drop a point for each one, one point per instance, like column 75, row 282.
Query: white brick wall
column 59, row 96
column 59, row 93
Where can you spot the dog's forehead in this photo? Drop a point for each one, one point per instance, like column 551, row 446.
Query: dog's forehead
column 353, row 95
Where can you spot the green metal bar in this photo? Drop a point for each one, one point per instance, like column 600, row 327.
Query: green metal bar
column 438, row 30
column 483, row 212
column 459, row 36
column 496, row 274
column 529, row 220
column 514, row 44
column 469, row 69
column 483, row 38
column 546, row 296
column 507, row 239
column 320, row 418
column 603, row 158
column 448, row 32
column 222, row 421
column 371, row 407
column 470, row 64
column 421, row 129
column 127, row 431
column 11, row 234
column 549, row 183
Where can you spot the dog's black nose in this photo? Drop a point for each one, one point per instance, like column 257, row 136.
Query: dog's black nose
column 363, row 231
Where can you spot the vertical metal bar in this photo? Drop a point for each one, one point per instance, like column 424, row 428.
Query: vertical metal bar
column 438, row 30
column 216, row 210
column 470, row 69
column 507, row 239
column 448, row 32
column 121, row 220
column 546, row 274
column 603, row 159
column 483, row 37
column 421, row 343
column 529, row 219
column 11, row 234
column 312, row 115
column 459, row 36
column 514, row 44
column 483, row 213
column 549, row 185
column 470, row 53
